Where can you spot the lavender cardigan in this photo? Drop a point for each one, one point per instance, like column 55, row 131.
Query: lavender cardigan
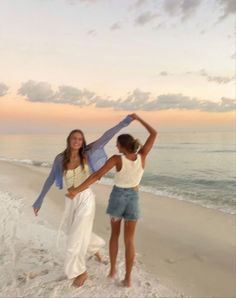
column 96, row 159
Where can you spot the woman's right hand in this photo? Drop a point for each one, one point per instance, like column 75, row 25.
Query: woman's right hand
column 134, row 116
column 36, row 210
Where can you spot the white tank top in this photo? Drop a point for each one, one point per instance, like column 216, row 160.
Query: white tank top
column 131, row 172
column 74, row 177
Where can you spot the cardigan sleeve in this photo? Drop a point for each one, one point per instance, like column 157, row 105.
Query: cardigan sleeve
column 108, row 135
column 95, row 151
column 46, row 186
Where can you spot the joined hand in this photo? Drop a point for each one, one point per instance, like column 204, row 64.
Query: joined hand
column 71, row 194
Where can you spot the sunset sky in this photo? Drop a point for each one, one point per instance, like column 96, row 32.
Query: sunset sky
column 66, row 63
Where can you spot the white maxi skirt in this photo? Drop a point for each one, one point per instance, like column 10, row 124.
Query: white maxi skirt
column 79, row 217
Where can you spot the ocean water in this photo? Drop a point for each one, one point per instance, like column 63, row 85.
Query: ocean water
column 194, row 166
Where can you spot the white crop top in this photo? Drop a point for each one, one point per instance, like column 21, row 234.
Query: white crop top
column 74, row 177
column 131, row 172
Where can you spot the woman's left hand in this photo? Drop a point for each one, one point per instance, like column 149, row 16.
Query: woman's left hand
column 71, row 194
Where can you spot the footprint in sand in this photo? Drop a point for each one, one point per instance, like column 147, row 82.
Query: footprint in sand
column 170, row 261
column 32, row 274
column 45, row 261
column 38, row 250
column 198, row 257
column 55, row 263
column 61, row 278
column 22, row 278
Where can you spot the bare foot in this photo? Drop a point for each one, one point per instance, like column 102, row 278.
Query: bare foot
column 101, row 259
column 112, row 274
column 126, row 283
column 98, row 256
column 80, row 279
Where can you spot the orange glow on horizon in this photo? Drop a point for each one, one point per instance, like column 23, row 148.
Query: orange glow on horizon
column 21, row 110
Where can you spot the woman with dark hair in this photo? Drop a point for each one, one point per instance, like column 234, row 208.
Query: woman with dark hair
column 124, row 198
column 74, row 165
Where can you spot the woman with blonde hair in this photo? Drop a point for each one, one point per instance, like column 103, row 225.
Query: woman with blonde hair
column 72, row 167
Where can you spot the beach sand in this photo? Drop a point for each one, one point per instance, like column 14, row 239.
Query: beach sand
column 183, row 250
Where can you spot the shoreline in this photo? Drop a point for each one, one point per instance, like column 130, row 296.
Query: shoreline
column 44, row 167
column 188, row 247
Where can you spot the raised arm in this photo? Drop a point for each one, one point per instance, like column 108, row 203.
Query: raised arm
column 110, row 163
column 151, row 138
column 108, row 135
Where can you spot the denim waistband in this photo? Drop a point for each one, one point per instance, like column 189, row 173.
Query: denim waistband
column 135, row 188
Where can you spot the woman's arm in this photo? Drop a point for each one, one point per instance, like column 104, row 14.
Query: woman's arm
column 151, row 138
column 46, row 186
column 108, row 135
column 110, row 163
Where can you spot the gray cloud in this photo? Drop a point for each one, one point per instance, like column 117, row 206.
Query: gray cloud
column 203, row 73
column 189, row 7
column 226, row 105
column 37, row 91
column 75, row 96
column 91, row 32
column 228, row 8
column 144, row 18
column 163, row 73
column 166, row 102
column 220, row 80
column 182, row 8
column 3, row 89
column 160, row 25
column 171, row 6
column 139, row 3
column 233, row 56
column 172, row 101
column 115, row 26
column 216, row 79
column 134, row 101
column 42, row 92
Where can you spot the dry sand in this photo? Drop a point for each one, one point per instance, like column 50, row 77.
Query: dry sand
column 182, row 248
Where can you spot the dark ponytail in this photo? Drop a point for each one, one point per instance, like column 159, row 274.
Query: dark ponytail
column 129, row 143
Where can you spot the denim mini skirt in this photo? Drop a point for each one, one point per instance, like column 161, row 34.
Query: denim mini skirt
column 124, row 203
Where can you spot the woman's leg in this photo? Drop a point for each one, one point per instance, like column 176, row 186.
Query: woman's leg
column 113, row 245
column 129, row 230
column 79, row 237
